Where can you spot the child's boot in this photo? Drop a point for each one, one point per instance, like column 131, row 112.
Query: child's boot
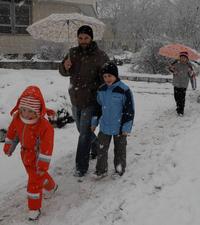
column 49, row 194
column 34, row 214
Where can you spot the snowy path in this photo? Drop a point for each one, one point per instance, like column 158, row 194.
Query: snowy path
column 136, row 198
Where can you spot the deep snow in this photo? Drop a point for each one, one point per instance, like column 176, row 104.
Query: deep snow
column 162, row 181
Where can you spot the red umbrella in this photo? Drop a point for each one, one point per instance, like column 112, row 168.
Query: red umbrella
column 173, row 51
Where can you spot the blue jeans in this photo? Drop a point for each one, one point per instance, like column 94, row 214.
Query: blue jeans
column 83, row 118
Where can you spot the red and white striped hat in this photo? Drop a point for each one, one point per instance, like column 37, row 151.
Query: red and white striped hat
column 31, row 103
column 183, row 54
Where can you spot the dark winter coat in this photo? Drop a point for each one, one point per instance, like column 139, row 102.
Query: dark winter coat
column 84, row 74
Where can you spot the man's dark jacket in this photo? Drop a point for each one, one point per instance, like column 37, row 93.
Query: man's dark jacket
column 84, row 74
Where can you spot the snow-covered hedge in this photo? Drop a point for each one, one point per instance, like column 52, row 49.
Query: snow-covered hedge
column 148, row 60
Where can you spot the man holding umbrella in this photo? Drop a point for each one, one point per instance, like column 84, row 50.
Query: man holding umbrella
column 83, row 65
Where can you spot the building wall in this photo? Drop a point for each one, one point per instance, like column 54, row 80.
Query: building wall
column 21, row 44
column 16, row 44
column 82, row 2
column 42, row 9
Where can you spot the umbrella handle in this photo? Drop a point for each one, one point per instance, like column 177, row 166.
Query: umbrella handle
column 67, row 61
column 67, row 30
column 68, row 37
column 69, row 56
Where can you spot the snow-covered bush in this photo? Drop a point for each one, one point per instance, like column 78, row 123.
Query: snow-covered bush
column 50, row 51
column 120, row 56
column 61, row 119
column 149, row 61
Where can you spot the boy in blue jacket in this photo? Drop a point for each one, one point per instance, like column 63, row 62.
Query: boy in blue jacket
column 115, row 114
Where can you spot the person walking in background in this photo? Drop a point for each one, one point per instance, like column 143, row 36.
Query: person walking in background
column 82, row 64
column 182, row 72
column 36, row 136
column 115, row 113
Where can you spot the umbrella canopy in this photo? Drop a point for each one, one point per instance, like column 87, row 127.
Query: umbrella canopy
column 63, row 27
column 173, row 51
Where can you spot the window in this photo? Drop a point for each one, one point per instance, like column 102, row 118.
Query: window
column 15, row 16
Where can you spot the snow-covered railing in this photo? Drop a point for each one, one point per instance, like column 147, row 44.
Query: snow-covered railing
column 158, row 79
column 53, row 65
column 29, row 64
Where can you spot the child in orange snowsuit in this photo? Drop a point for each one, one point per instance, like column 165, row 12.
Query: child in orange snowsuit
column 36, row 136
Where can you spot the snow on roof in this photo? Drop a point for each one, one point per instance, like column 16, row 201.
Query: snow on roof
column 87, row 2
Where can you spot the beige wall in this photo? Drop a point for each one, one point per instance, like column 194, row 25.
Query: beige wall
column 42, row 9
column 16, row 44
column 83, row 2
column 25, row 43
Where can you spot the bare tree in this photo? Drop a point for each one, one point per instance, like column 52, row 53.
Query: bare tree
column 187, row 22
column 135, row 21
column 141, row 20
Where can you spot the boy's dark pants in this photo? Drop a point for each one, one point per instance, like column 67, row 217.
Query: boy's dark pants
column 179, row 96
column 120, row 143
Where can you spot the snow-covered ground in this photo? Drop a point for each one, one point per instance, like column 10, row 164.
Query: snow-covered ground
column 162, row 181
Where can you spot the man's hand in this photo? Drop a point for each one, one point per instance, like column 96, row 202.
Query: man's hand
column 67, row 64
